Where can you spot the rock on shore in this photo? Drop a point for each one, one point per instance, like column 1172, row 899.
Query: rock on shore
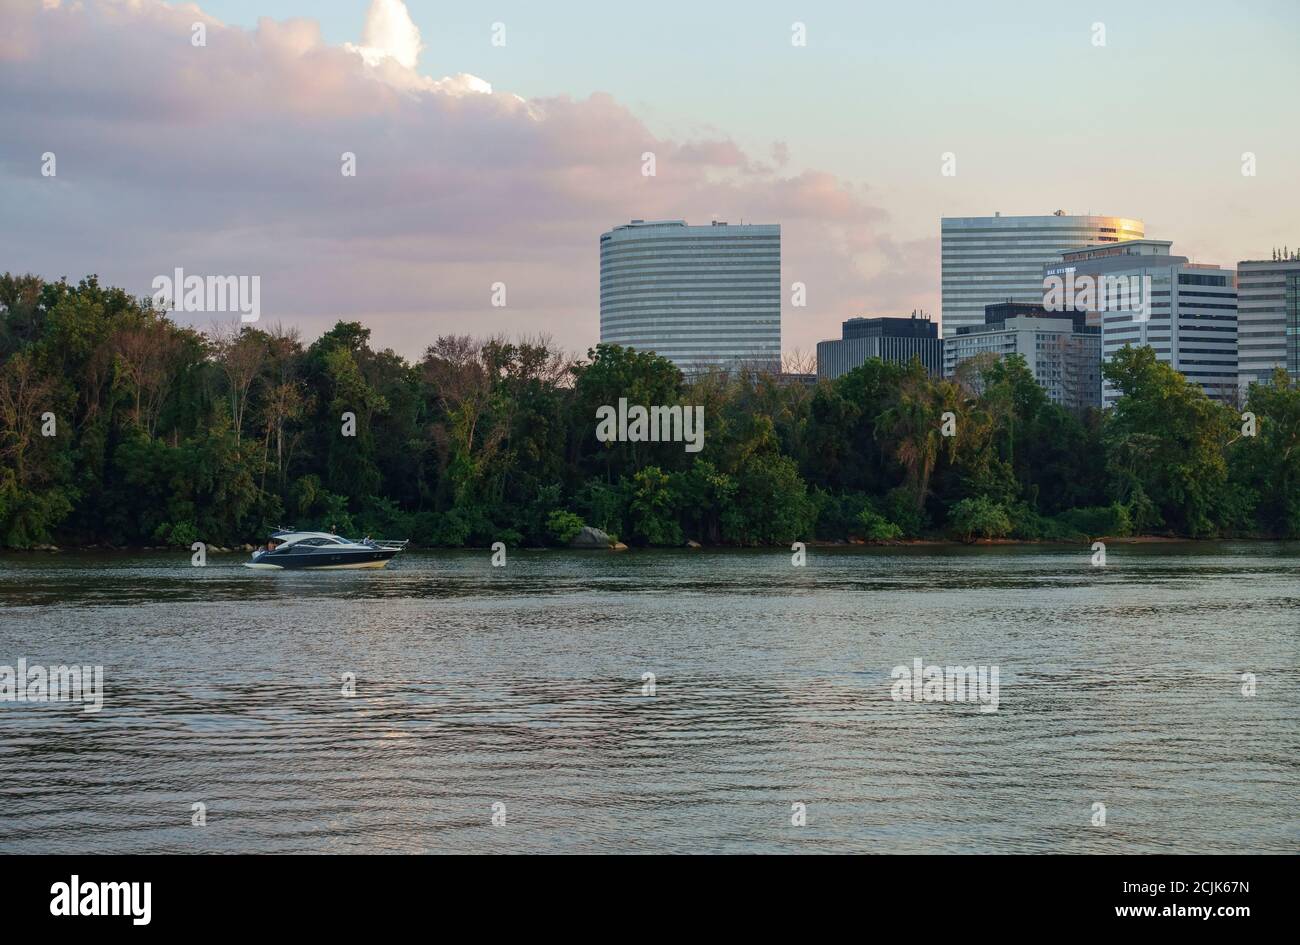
column 590, row 538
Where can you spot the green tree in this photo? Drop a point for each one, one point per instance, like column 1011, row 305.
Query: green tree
column 563, row 526
column 913, row 427
column 980, row 517
column 1266, row 465
column 653, row 507
column 1165, row 446
column 613, row 373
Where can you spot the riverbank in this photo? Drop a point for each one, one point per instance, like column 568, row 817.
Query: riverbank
column 950, row 542
column 810, row 543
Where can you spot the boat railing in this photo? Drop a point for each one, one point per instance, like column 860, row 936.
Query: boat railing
column 388, row 544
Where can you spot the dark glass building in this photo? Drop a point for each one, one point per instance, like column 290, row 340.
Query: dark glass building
column 888, row 338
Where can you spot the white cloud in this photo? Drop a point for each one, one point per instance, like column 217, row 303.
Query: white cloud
column 390, row 32
column 391, row 47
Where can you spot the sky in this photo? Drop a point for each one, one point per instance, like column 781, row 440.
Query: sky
column 480, row 163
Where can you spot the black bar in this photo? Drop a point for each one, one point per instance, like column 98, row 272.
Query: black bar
column 334, row 894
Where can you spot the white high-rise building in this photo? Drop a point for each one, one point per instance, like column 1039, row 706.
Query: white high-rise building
column 1186, row 312
column 701, row 296
column 987, row 260
column 1268, row 319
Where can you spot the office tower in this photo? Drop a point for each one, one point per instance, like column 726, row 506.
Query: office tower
column 993, row 259
column 1268, row 318
column 890, row 339
column 1141, row 294
column 1061, row 350
column 701, row 296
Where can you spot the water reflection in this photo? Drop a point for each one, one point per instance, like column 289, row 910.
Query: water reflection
column 522, row 686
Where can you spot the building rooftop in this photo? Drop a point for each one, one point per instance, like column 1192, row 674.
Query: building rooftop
column 681, row 226
column 1063, row 322
column 1122, row 248
column 1127, row 222
column 628, row 226
column 918, row 325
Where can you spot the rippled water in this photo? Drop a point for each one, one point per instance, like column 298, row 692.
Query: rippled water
column 522, row 686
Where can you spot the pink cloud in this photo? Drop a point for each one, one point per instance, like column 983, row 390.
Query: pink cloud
column 226, row 159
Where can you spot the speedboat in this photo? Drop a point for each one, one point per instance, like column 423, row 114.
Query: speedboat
column 293, row 550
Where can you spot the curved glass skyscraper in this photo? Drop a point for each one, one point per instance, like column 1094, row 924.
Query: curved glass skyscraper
column 701, row 296
column 994, row 259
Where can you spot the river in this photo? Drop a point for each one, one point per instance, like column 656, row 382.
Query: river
column 508, row 709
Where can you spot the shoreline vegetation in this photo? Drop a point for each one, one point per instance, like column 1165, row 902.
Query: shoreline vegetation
column 814, row 543
column 121, row 429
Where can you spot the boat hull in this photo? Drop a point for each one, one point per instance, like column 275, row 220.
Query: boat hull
column 323, row 561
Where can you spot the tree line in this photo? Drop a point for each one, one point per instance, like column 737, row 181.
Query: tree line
column 119, row 427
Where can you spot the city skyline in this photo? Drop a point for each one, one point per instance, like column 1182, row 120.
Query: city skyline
column 413, row 244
